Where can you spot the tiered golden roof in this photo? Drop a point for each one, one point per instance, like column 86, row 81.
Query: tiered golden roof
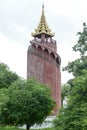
column 42, row 28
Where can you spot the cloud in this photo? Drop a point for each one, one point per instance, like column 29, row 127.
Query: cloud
column 18, row 18
column 67, row 7
column 16, row 14
column 14, row 55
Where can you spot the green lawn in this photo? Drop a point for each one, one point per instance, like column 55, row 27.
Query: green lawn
column 13, row 128
column 9, row 128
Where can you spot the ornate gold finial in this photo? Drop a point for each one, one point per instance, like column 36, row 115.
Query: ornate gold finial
column 43, row 28
column 43, row 8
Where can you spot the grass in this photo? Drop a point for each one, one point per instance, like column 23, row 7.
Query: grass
column 9, row 128
column 14, row 128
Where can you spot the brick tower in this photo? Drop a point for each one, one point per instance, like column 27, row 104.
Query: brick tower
column 43, row 62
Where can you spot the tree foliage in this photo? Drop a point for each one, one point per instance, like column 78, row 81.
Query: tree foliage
column 29, row 102
column 6, row 76
column 65, row 92
column 81, row 46
column 79, row 64
column 74, row 116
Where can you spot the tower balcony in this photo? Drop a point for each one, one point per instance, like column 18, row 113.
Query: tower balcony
column 41, row 50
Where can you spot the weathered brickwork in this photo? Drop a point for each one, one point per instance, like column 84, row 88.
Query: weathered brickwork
column 43, row 62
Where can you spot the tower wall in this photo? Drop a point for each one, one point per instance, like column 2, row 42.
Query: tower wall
column 44, row 63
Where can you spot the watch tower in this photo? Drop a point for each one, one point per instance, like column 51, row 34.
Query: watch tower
column 43, row 62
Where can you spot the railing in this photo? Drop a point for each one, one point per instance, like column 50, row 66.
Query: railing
column 45, row 40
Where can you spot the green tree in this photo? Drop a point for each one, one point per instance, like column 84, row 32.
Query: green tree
column 81, row 46
column 76, row 67
column 6, row 76
column 74, row 115
column 29, row 102
column 65, row 92
column 3, row 96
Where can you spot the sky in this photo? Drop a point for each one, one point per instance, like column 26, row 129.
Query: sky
column 18, row 18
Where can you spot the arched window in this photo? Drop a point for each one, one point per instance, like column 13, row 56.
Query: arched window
column 58, row 60
column 34, row 47
column 52, row 57
column 46, row 54
column 39, row 49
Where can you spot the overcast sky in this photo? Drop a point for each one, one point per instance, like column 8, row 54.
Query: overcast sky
column 18, row 18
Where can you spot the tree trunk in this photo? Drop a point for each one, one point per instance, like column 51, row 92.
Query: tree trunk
column 27, row 127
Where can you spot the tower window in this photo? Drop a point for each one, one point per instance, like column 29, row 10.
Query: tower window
column 46, row 54
column 52, row 57
column 58, row 61
column 39, row 49
column 34, row 47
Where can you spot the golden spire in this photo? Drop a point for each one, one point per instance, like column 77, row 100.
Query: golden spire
column 42, row 28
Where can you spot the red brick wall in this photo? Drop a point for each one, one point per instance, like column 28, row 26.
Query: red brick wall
column 34, row 66
column 52, row 78
column 41, row 63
